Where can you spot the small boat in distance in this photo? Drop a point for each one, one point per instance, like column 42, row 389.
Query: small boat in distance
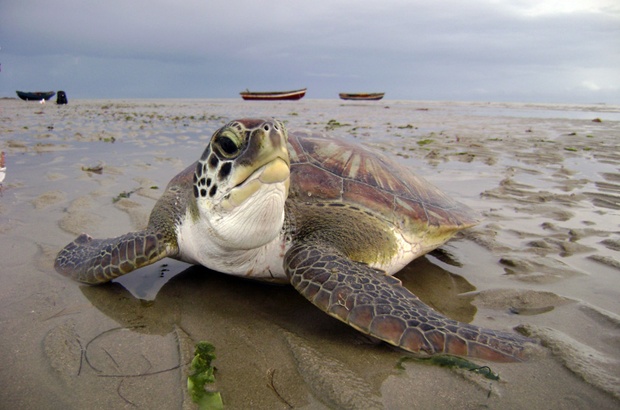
column 273, row 95
column 36, row 95
column 362, row 96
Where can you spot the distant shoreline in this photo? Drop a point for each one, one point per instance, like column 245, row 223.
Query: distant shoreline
column 377, row 103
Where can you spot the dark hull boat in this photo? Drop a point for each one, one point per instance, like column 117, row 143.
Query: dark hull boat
column 362, row 96
column 36, row 95
column 273, row 95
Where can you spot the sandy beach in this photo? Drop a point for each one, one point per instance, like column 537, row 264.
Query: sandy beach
column 545, row 259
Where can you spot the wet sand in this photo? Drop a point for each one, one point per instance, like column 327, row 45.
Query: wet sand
column 545, row 259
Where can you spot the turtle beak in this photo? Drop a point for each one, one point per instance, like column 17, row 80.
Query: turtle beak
column 264, row 162
column 266, row 147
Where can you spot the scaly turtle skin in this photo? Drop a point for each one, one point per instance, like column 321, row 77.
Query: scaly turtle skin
column 333, row 219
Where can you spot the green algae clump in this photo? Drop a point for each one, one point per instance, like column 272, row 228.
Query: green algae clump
column 203, row 373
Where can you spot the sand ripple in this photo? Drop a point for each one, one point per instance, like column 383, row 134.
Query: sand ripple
column 596, row 368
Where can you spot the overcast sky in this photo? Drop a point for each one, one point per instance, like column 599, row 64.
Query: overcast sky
column 472, row 50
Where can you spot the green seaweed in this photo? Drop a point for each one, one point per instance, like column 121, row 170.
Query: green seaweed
column 124, row 194
column 424, row 142
column 451, row 362
column 333, row 124
column 97, row 169
column 203, row 373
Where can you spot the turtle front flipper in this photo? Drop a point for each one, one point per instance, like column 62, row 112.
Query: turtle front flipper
column 96, row 261
column 377, row 304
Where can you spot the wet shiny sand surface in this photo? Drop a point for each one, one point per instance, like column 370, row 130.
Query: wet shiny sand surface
column 545, row 258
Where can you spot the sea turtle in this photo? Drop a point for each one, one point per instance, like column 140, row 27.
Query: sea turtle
column 333, row 219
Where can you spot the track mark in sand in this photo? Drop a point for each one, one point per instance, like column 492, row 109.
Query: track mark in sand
column 596, row 368
column 330, row 380
column 64, row 351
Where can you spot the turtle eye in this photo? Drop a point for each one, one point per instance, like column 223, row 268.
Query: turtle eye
column 228, row 144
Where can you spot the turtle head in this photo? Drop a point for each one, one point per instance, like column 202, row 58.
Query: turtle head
column 241, row 183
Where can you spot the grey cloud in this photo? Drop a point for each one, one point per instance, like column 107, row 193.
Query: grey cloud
column 410, row 49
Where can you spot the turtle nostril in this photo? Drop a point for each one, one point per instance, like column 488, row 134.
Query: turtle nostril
column 266, row 127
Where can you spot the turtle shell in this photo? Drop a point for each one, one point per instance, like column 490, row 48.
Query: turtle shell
column 325, row 169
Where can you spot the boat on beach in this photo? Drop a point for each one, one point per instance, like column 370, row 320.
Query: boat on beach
column 361, row 96
column 35, row 95
column 273, row 95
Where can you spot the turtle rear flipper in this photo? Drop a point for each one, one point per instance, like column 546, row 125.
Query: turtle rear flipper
column 96, row 261
column 377, row 304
